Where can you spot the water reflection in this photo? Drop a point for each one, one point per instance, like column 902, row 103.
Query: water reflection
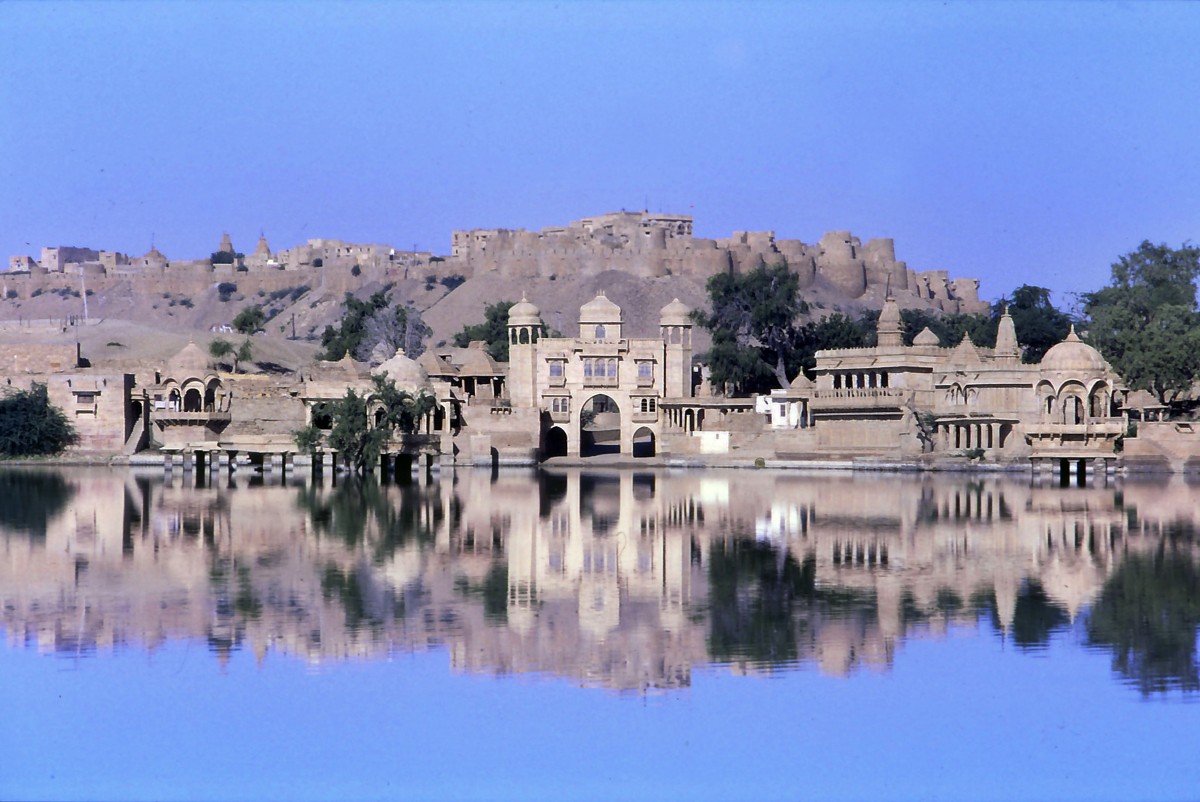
column 621, row 579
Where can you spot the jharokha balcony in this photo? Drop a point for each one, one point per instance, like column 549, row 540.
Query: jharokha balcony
column 178, row 417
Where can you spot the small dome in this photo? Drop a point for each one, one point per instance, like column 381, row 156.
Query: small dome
column 405, row 372
column 524, row 313
column 191, row 359
column 155, row 255
column 600, row 310
column 1073, row 354
column 926, row 337
column 675, row 313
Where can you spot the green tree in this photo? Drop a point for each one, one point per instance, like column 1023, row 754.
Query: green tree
column 221, row 349
column 829, row 332
column 308, row 439
column 1145, row 321
column 361, row 440
column 753, row 326
column 951, row 328
column 367, row 324
column 1038, row 323
column 493, row 331
column 31, row 426
column 245, row 353
column 250, row 319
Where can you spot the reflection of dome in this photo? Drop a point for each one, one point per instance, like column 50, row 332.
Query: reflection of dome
column 524, row 313
column 599, row 310
column 1073, row 354
column 675, row 313
column 405, row 372
column 926, row 337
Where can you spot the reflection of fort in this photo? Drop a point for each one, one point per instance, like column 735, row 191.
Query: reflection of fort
column 621, row 579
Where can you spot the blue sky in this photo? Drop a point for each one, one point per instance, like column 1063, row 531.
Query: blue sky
column 1015, row 142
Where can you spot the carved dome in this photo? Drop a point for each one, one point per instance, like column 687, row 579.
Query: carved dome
column 1073, row 354
column 600, row 310
column 926, row 337
column 405, row 372
column 524, row 313
column 675, row 313
column 190, row 360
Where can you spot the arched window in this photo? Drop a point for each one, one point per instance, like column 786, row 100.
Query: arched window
column 600, row 332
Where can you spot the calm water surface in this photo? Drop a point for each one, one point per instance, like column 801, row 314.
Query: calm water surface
column 620, row 635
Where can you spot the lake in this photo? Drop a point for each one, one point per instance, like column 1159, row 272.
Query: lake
column 597, row 635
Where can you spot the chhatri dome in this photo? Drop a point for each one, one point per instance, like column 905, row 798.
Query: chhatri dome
column 599, row 310
column 405, row 372
column 1073, row 354
column 675, row 313
column 524, row 313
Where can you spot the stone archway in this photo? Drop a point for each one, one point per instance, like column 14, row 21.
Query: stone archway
column 192, row 400
column 556, row 443
column 599, row 427
column 644, row 443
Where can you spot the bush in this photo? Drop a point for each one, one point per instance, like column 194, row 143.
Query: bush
column 36, row 293
column 318, row 262
column 187, row 302
column 450, row 282
column 250, row 320
column 226, row 289
column 31, row 426
column 356, row 271
column 13, row 294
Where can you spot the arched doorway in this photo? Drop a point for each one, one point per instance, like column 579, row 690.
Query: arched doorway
column 192, row 401
column 644, row 443
column 599, row 427
column 556, row 443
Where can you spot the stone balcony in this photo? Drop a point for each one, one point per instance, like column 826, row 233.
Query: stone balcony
column 175, row 417
column 600, row 381
column 860, row 398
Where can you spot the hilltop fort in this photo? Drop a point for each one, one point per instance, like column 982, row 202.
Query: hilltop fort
column 640, row 244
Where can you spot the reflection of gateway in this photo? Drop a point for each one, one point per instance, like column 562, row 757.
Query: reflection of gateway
column 624, row 579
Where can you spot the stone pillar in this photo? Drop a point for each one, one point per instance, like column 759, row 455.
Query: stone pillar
column 276, row 463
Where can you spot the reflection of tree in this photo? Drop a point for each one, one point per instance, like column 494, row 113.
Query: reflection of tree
column 1035, row 616
column 1148, row 614
column 366, row 513
column 31, row 500
column 493, row 592
column 758, row 597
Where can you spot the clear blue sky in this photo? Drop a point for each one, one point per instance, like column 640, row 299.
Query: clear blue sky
column 1022, row 142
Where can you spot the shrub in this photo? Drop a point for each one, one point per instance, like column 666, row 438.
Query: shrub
column 187, row 302
column 36, row 293
column 450, row 282
column 356, row 271
column 31, row 426
column 226, row 289
column 13, row 294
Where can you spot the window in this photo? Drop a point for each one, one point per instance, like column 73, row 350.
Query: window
column 600, row 332
column 645, row 370
column 556, row 369
column 588, row 368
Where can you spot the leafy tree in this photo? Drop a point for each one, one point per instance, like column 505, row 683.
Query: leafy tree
column 402, row 328
column 367, row 324
column 349, row 334
column 493, row 331
column 753, row 326
column 1145, row 321
column 307, row 439
column 950, row 329
column 225, row 257
column 222, row 349
column 361, row 441
column 1039, row 324
column 31, row 426
column 250, row 319
column 829, row 332
column 245, row 353
column 226, row 289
